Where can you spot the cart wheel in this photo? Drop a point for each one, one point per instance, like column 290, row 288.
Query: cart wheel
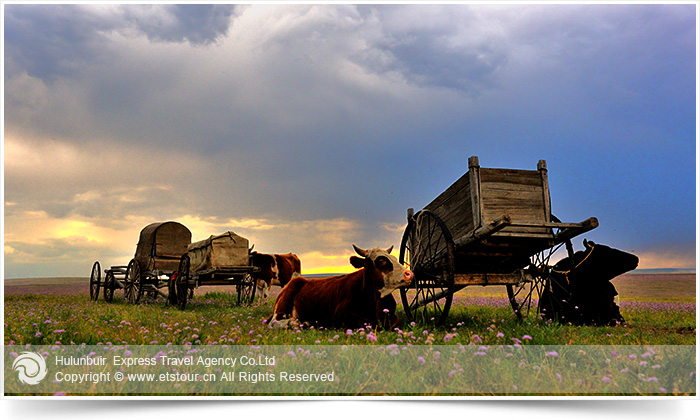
column 246, row 290
column 95, row 281
column 540, row 288
column 428, row 250
column 132, row 282
column 109, row 286
column 182, row 280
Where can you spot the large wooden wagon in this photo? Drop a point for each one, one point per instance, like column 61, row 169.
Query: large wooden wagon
column 157, row 257
column 491, row 227
column 158, row 264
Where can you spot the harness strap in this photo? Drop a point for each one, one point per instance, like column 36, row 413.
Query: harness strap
column 567, row 272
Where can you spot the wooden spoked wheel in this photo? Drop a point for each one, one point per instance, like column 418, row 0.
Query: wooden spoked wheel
column 530, row 297
column 133, row 282
column 246, row 290
column 95, row 281
column 182, row 281
column 427, row 249
column 109, row 286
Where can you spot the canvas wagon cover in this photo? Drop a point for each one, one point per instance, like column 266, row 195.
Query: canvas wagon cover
column 161, row 245
column 220, row 251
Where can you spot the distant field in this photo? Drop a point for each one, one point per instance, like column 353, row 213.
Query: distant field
column 666, row 287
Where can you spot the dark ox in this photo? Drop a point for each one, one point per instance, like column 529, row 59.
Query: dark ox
column 581, row 291
column 346, row 301
column 268, row 271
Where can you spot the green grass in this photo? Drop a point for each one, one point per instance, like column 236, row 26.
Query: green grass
column 483, row 330
column 212, row 318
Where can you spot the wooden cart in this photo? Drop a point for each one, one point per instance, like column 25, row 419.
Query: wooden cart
column 219, row 260
column 491, row 227
column 158, row 264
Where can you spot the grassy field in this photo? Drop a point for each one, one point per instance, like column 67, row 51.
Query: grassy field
column 478, row 315
column 481, row 328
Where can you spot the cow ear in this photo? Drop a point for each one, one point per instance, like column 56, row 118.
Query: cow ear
column 585, row 243
column 360, row 251
column 388, row 251
column 357, row 262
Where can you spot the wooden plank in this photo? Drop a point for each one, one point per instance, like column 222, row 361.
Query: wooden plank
column 475, row 191
column 511, row 176
column 483, row 232
column 542, row 167
column 585, row 226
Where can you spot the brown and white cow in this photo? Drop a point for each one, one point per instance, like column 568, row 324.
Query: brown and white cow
column 288, row 267
column 274, row 269
column 349, row 301
column 268, row 271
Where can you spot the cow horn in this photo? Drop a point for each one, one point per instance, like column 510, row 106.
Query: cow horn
column 388, row 251
column 361, row 251
column 251, row 248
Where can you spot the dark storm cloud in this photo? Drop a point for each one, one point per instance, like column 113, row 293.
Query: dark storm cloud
column 444, row 46
column 196, row 23
column 50, row 41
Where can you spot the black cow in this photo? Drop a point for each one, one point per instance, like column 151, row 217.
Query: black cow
column 581, row 293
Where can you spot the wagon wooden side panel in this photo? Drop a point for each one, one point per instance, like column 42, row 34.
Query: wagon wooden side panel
column 454, row 207
column 220, row 251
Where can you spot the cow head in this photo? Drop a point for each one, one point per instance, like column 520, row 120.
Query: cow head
column 599, row 263
column 381, row 265
column 268, row 272
column 606, row 263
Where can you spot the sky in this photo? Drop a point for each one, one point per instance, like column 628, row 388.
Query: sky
column 309, row 128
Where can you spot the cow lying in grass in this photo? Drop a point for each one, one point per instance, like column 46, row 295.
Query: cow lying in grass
column 582, row 293
column 345, row 301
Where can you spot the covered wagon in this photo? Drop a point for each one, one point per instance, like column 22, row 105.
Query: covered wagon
column 166, row 257
column 218, row 260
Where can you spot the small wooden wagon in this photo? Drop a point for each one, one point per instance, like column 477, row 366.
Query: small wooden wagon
column 491, row 227
column 159, row 262
column 219, row 260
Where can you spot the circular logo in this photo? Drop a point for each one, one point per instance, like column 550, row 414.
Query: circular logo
column 31, row 367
